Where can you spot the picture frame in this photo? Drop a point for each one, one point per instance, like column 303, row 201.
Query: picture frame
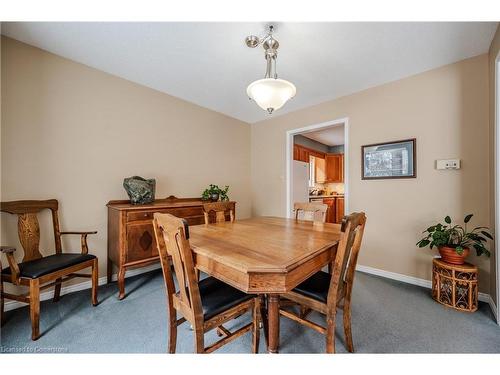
column 389, row 160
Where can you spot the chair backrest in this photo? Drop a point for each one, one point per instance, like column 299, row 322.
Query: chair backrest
column 217, row 211
column 28, row 227
column 352, row 230
column 172, row 238
column 310, row 211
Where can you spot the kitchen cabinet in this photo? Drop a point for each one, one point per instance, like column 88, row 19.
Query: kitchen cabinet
column 335, row 211
column 334, row 167
column 304, row 155
column 296, row 152
column 301, row 153
column 330, row 214
column 319, row 170
column 339, row 209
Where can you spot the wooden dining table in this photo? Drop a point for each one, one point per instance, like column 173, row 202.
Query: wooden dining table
column 266, row 256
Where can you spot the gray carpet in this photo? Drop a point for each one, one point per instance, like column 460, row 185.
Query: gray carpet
column 388, row 317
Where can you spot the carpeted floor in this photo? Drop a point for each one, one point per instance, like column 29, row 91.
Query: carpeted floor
column 388, row 317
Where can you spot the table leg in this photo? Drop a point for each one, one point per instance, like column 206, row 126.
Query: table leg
column 273, row 316
column 263, row 317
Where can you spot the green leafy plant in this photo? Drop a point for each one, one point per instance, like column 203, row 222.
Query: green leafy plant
column 456, row 236
column 214, row 189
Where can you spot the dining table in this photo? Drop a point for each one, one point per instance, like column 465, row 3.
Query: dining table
column 266, row 256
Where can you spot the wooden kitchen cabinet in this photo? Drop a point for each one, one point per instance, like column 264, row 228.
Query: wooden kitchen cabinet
column 301, row 153
column 339, row 209
column 304, row 155
column 334, row 167
column 335, row 211
column 296, row 152
column 319, row 170
column 330, row 214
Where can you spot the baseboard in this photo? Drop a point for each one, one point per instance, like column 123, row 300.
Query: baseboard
column 11, row 305
column 483, row 297
column 494, row 310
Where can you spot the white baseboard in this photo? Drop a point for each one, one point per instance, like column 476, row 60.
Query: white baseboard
column 483, row 297
column 11, row 305
column 493, row 308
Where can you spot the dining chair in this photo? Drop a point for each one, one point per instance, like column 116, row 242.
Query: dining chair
column 218, row 212
column 39, row 272
column 310, row 211
column 325, row 293
column 206, row 304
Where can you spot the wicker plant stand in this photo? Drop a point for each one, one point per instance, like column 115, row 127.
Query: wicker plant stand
column 455, row 285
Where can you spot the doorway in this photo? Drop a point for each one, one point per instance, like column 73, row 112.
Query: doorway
column 497, row 183
column 290, row 159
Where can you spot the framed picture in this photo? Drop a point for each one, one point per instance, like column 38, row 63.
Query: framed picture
column 396, row 159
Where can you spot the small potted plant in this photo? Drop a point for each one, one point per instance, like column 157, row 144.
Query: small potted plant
column 214, row 193
column 455, row 241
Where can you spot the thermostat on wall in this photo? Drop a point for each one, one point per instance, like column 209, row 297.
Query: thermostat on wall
column 448, row 164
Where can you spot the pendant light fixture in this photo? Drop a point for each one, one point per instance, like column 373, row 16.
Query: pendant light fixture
column 270, row 93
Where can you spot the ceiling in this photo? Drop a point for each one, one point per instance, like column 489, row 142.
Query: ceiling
column 332, row 136
column 210, row 65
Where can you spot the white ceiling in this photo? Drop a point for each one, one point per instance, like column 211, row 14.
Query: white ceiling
column 333, row 136
column 210, row 65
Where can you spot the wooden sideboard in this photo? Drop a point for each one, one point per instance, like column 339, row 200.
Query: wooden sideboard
column 131, row 239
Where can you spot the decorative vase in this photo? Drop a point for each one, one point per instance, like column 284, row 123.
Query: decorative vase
column 140, row 190
column 214, row 197
column 449, row 255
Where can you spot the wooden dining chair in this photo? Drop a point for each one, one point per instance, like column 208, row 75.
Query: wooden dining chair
column 206, row 304
column 325, row 292
column 41, row 272
column 218, row 212
column 310, row 211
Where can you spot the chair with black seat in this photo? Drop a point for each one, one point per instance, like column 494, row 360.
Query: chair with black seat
column 216, row 212
column 206, row 304
column 41, row 272
column 315, row 212
column 325, row 293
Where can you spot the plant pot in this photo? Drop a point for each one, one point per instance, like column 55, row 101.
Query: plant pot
column 214, row 197
column 449, row 255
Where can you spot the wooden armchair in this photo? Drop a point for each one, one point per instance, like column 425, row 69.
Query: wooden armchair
column 38, row 272
column 310, row 211
column 218, row 212
column 325, row 292
column 206, row 304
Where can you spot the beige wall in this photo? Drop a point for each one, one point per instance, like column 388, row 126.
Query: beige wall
column 446, row 109
column 493, row 53
column 73, row 133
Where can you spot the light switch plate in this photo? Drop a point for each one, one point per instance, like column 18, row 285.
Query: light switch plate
column 448, row 164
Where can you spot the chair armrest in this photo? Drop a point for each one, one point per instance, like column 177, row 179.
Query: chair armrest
column 7, row 249
column 14, row 267
column 83, row 240
column 92, row 232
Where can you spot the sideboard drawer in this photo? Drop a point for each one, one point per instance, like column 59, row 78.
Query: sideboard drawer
column 179, row 212
column 140, row 215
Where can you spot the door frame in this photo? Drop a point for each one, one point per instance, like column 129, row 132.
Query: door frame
column 289, row 158
column 496, row 169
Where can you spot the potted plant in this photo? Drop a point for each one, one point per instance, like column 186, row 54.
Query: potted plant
column 455, row 241
column 214, row 193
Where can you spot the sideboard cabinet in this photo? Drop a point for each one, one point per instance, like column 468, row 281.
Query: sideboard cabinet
column 131, row 239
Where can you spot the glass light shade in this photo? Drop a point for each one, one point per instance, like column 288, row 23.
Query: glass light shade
column 271, row 94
